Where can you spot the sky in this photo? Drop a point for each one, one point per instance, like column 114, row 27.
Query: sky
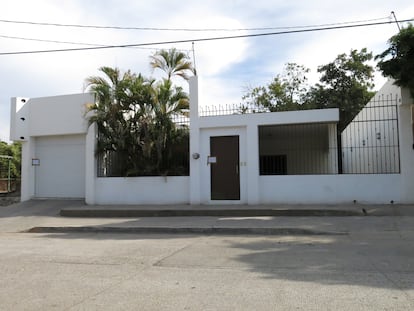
column 226, row 68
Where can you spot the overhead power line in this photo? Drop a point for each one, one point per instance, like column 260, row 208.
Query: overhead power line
column 187, row 29
column 73, row 43
column 51, row 41
column 164, row 29
column 207, row 39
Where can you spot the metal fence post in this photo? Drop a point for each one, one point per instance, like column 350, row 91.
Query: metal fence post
column 8, row 177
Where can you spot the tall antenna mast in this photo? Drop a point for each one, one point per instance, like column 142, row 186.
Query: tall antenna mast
column 194, row 61
column 396, row 21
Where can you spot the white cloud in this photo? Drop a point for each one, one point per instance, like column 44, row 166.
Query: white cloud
column 217, row 91
column 214, row 57
column 225, row 66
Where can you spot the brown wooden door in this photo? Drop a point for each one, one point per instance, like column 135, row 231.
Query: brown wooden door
column 224, row 162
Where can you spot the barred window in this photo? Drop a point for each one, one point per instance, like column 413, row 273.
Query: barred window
column 273, row 165
column 298, row 149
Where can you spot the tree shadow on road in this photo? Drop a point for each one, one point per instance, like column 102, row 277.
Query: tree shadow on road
column 377, row 261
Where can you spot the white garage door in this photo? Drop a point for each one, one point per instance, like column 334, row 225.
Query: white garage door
column 61, row 173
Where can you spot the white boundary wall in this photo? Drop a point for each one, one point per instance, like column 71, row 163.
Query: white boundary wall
column 131, row 190
column 142, row 190
column 330, row 189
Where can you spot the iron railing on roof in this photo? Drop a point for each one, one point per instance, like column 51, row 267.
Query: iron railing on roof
column 229, row 109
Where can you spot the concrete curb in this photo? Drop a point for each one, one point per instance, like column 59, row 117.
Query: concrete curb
column 183, row 230
column 118, row 213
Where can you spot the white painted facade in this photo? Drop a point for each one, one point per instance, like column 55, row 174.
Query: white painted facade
column 246, row 127
column 52, row 131
column 55, row 131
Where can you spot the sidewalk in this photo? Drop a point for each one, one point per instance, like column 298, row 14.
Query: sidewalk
column 44, row 216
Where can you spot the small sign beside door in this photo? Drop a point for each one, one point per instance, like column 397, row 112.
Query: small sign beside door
column 211, row 160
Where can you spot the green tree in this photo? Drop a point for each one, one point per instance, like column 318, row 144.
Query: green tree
column 285, row 92
column 123, row 115
column 346, row 83
column 398, row 60
column 173, row 63
column 135, row 115
column 169, row 102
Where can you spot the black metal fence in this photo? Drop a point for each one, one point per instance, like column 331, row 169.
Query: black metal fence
column 169, row 161
column 113, row 164
column 7, row 182
column 370, row 143
column 298, row 149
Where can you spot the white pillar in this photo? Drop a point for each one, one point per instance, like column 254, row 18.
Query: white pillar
column 332, row 149
column 90, row 165
column 28, row 174
column 195, row 164
column 406, row 147
column 19, row 131
column 252, row 140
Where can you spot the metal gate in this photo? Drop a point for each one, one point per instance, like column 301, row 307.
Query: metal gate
column 5, row 174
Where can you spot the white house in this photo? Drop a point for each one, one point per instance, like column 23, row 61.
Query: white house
column 259, row 158
column 53, row 135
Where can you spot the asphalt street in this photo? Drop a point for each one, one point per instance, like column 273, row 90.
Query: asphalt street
column 371, row 267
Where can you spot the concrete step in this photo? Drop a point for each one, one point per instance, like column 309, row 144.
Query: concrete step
column 200, row 212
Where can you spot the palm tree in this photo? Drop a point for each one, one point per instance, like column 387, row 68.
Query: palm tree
column 135, row 115
column 108, row 112
column 173, row 63
column 168, row 102
column 123, row 117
